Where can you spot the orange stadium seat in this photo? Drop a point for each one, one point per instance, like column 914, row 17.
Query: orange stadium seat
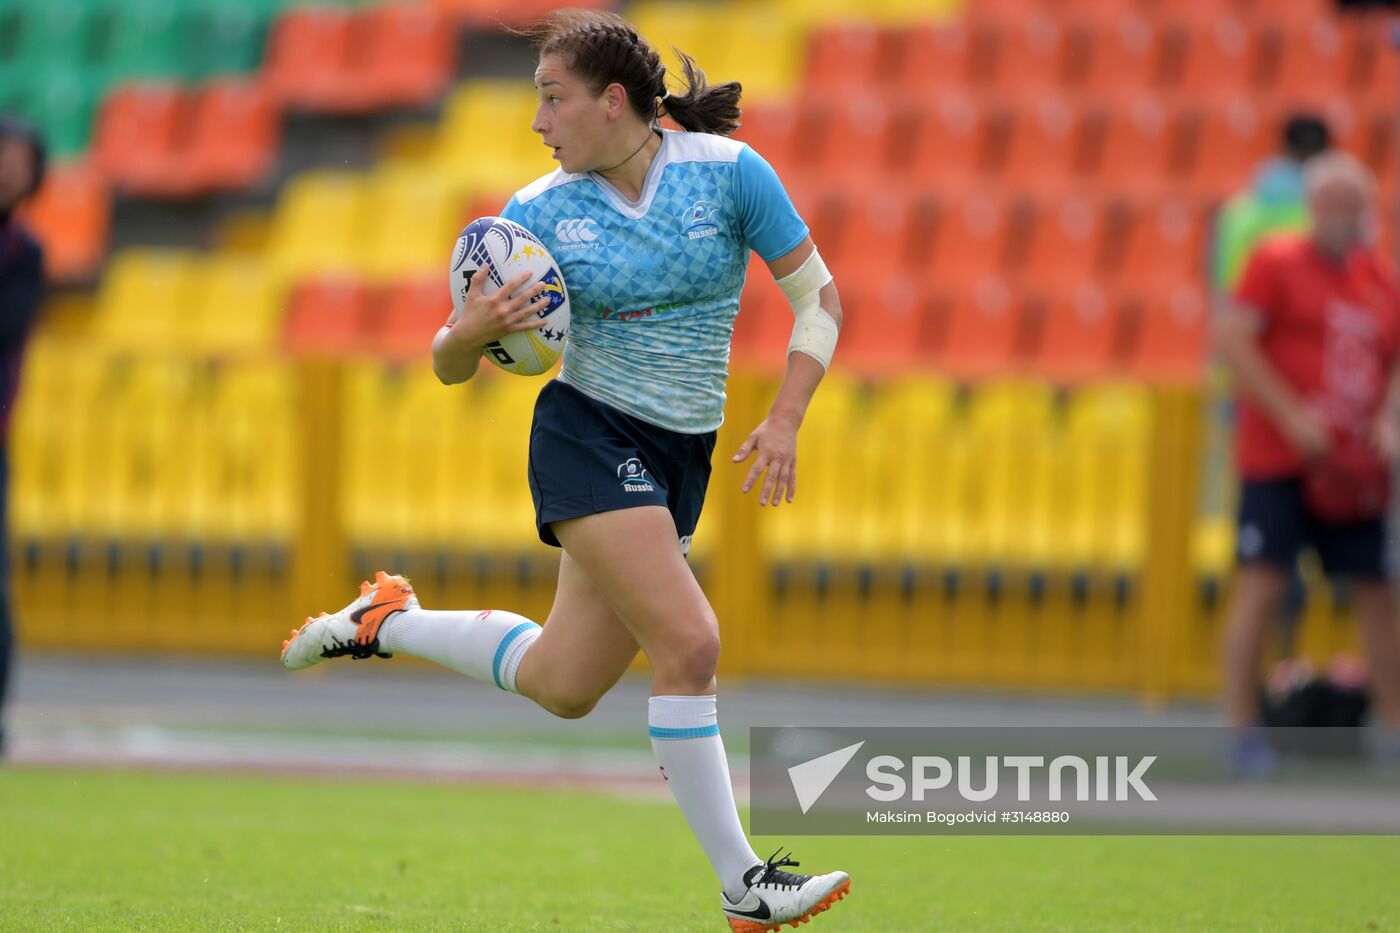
column 843, row 57
column 1160, row 246
column 1214, row 56
column 933, row 57
column 774, row 132
column 234, row 136
column 857, row 139
column 1171, row 335
column 1126, row 54
column 1380, row 79
column 311, row 62
column 411, row 53
column 1228, row 141
column 975, row 239
column 949, row 140
column 70, row 215
column 1138, row 148
column 1027, row 53
column 1047, row 144
column 1079, row 334
column 138, row 140
column 1312, row 62
column 764, row 325
column 885, row 324
column 1067, row 244
column 328, row 316
column 983, row 331
column 414, row 310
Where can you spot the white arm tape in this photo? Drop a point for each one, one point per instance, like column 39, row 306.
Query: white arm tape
column 814, row 330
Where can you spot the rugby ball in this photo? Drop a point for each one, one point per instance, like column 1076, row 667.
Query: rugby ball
column 508, row 249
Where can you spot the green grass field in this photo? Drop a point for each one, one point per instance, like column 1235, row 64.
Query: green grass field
column 96, row 851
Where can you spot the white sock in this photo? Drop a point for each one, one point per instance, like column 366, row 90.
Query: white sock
column 685, row 738
column 486, row 646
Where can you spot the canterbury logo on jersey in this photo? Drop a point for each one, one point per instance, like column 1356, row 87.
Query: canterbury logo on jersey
column 577, row 233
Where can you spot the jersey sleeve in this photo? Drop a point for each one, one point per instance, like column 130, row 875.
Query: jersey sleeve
column 767, row 220
column 1257, row 293
column 514, row 211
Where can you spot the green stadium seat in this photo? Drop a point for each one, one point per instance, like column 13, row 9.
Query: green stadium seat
column 146, row 39
column 230, row 37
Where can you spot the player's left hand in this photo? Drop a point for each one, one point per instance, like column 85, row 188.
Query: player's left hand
column 775, row 445
column 1385, row 435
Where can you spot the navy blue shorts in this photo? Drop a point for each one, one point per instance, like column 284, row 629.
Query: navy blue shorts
column 587, row 457
column 1275, row 526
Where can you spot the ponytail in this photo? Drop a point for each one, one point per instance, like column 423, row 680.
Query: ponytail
column 703, row 108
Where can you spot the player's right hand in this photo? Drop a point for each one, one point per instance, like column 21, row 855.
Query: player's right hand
column 1308, row 434
column 486, row 318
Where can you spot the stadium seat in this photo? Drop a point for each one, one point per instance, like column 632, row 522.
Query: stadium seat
column 241, row 308
column 229, row 36
column 774, row 132
column 1106, row 481
column 1160, row 245
column 234, row 136
column 139, row 140
column 1139, row 148
column 1028, row 53
column 312, row 61
column 1079, row 334
column 1220, row 55
column 764, row 325
column 1047, row 145
column 145, row 301
column 1068, row 244
column 493, row 13
column 328, row 315
column 976, row 237
column 949, row 140
column 1011, row 497
column 320, row 225
column 880, row 231
column 55, row 33
column 933, row 57
column 146, row 39
column 983, row 331
column 1171, row 335
column 416, row 222
column 857, row 140
column 410, row 54
column 1312, row 62
column 1227, row 142
column 414, row 310
column 1126, row 55
column 846, row 57
column 517, row 155
column 70, row 215
column 887, row 323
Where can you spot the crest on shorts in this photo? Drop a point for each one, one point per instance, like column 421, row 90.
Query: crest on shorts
column 634, row 476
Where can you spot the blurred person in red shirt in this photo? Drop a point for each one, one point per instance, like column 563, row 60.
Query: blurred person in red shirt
column 1312, row 339
column 21, row 284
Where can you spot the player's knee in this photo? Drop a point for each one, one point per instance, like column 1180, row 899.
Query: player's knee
column 692, row 660
column 568, row 704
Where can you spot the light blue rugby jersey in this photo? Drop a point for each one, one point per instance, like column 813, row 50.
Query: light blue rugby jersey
column 654, row 284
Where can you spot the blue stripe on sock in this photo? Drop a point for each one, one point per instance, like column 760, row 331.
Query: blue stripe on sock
column 504, row 646
column 698, row 732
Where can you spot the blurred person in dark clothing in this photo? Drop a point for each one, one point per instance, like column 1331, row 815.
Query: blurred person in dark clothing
column 21, row 285
column 1312, row 340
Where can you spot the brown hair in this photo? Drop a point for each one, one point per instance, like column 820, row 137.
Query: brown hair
column 603, row 48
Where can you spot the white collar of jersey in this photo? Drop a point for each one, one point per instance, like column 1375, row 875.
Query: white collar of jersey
column 637, row 209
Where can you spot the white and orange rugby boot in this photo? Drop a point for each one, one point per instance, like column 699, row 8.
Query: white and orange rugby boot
column 776, row 897
column 352, row 631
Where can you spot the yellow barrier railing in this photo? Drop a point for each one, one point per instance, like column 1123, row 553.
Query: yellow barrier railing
column 1010, row 537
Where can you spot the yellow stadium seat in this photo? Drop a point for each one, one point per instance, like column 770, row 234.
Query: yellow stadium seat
column 815, row 527
column 241, row 311
column 250, row 490
column 484, row 144
column 1108, row 440
column 911, row 426
column 147, row 300
column 759, row 47
column 698, row 29
column 320, row 226
column 416, row 221
column 1011, row 494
